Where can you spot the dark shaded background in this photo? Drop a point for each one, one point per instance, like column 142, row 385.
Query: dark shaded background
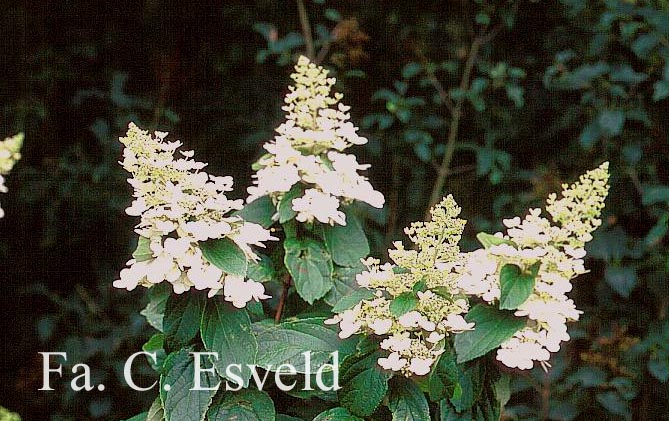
column 213, row 74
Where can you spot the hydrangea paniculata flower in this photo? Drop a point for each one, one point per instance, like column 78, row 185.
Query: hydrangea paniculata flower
column 9, row 153
column 308, row 151
column 556, row 248
column 180, row 206
column 416, row 303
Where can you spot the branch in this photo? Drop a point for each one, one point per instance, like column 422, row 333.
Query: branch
column 282, row 298
column 306, row 29
column 456, row 114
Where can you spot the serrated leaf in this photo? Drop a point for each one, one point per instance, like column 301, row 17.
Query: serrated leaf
column 310, row 266
column 336, row 414
column 403, row 303
column 154, row 312
column 407, row 402
column 346, row 243
column 286, row 342
column 260, row 211
column 226, row 255
column 444, row 377
column 364, row 384
column 515, row 285
column 492, row 327
column 227, row 331
column 182, row 319
column 245, row 405
column 179, row 402
column 488, row 240
column 286, row 212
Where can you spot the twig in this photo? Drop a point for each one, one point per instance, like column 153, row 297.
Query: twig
column 306, row 29
column 456, row 114
column 282, row 298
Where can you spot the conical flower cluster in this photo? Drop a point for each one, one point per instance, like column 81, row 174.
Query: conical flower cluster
column 9, row 153
column 307, row 153
column 415, row 306
column 180, row 206
column 556, row 250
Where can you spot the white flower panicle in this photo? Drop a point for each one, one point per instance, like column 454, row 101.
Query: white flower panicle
column 181, row 206
column 557, row 250
column 416, row 303
column 307, row 153
column 9, row 154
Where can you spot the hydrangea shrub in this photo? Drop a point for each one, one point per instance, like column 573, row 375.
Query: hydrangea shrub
column 431, row 334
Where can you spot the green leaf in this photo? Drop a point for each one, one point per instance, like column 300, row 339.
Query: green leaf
column 182, row 318
column 154, row 312
column 516, row 285
column 590, row 135
column 262, row 270
column 364, row 385
column 310, row 266
column 614, row 403
column 488, row 240
column 225, row 255
column 345, row 284
column 444, row 377
column 611, row 122
column 403, row 303
column 179, row 402
column 492, row 327
column 411, row 69
column 350, row 300
column 653, row 194
column 336, row 414
column 286, row 342
column 143, row 251
column 644, row 44
column 227, row 331
column 286, row 212
column 156, row 344
column 660, row 90
column 659, row 368
column 407, row 402
column 245, row 405
column 346, row 243
column 260, row 211
column 156, row 412
column 502, row 388
column 621, row 279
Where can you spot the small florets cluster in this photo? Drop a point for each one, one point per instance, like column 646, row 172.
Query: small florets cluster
column 416, row 302
column 307, row 150
column 181, row 206
column 9, row 153
column 557, row 249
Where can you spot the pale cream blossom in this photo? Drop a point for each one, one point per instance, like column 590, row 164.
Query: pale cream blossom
column 181, row 206
column 307, row 151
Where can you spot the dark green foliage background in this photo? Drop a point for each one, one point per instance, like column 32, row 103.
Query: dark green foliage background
column 557, row 88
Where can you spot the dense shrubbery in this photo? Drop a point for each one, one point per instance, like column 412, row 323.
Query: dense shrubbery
column 497, row 103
